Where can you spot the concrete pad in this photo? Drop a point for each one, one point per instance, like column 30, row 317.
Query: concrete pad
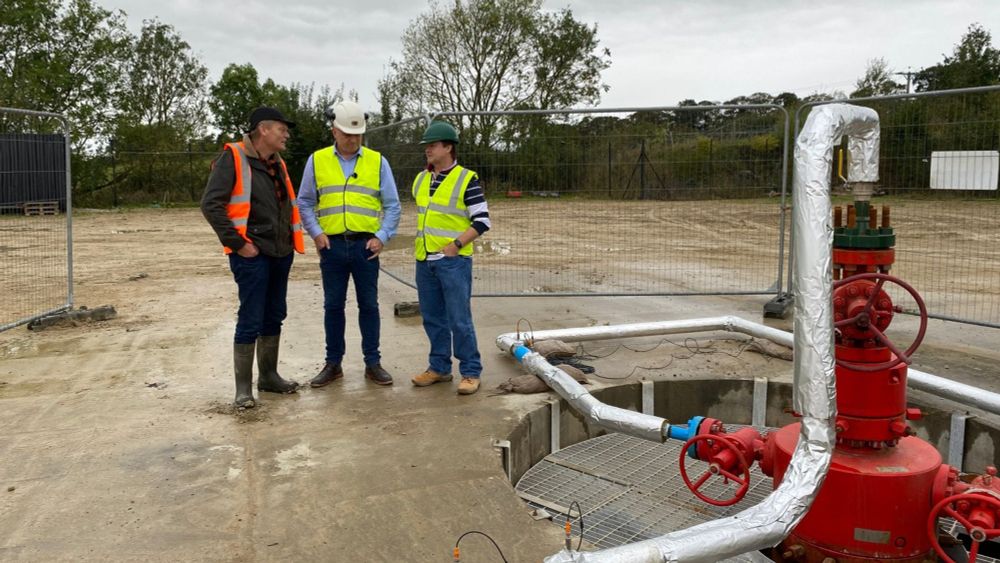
column 118, row 442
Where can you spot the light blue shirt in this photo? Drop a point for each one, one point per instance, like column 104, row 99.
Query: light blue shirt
column 387, row 193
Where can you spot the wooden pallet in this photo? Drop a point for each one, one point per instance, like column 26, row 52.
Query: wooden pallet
column 41, row 208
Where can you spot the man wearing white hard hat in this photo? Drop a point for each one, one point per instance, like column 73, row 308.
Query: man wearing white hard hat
column 350, row 208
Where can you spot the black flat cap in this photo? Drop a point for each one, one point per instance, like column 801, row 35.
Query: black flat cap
column 264, row 113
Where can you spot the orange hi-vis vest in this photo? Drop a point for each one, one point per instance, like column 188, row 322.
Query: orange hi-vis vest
column 239, row 201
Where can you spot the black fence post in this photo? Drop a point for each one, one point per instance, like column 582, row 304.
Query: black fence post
column 609, row 169
column 642, row 170
column 114, row 173
column 191, row 186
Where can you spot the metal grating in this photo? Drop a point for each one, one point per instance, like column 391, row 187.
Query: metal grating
column 956, row 530
column 630, row 490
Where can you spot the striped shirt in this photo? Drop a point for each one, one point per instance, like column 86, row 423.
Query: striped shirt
column 475, row 200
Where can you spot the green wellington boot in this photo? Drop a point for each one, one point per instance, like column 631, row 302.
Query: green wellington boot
column 268, row 379
column 243, row 363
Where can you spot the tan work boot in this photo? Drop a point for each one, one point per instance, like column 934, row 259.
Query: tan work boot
column 468, row 385
column 430, row 377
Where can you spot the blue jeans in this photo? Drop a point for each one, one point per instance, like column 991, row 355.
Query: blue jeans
column 444, row 288
column 263, row 285
column 343, row 260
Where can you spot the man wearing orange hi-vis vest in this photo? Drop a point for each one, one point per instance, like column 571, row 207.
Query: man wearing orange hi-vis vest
column 251, row 205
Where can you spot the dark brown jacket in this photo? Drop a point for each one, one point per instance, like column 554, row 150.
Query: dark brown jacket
column 269, row 225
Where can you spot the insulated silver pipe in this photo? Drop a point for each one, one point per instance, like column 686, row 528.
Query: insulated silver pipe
column 920, row 380
column 958, row 392
column 727, row 323
column 616, row 419
column 767, row 523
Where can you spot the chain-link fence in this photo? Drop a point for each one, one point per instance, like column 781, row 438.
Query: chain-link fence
column 650, row 201
column 938, row 166
column 645, row 201
column 36, row 255
column 124, row 175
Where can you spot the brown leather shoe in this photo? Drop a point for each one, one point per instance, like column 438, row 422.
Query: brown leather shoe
column 468, row 385
column 327, row 375
column 430, row 377
column 375, row 373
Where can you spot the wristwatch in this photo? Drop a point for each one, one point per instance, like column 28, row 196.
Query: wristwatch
column 458, row 244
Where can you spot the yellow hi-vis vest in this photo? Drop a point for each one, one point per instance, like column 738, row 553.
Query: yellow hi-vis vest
column 348, row 204
column 441, row 218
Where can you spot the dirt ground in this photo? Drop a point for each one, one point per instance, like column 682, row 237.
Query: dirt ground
column 948, row 250
column 118, row 442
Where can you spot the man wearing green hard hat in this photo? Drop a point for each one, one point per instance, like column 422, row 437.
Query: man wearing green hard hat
column 451, row 213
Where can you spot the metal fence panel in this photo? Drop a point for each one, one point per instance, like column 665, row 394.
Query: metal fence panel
column 648, row 201
column 36, row 266
column 125, row 175
column 947, row 240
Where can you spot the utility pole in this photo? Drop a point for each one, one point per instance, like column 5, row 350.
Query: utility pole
column 909, row 74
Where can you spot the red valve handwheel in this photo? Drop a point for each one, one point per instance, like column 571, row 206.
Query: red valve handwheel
column 862, row 318
column 949, row 507
column 715, row 469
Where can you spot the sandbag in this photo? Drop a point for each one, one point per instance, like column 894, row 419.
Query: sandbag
column 530, row 383
column 553, row 348
column 769, row 349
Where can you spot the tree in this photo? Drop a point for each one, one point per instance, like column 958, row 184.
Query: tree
column 166, row 81
column 974, row 62
column 238, row 91
column 233, row 97
column 305, row 106
column 489, row 55
column 824, row 96
column 877, row 81
column 696, row 120
column 63, row 57
column 787, row 100
column 566, row 55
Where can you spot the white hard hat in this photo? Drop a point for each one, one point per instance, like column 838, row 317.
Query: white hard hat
column 348, row 117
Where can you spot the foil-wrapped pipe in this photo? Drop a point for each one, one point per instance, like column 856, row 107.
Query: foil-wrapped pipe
column 582, row 334
column 766, row 524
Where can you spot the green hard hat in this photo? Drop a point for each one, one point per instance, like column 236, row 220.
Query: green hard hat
column 439, row 131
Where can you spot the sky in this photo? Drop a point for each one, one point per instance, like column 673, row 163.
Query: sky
column 662, row 51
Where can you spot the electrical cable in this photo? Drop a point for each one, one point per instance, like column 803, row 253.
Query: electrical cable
column 690, row 344
column 529, row 341
column 579, row 519
column 459, row 540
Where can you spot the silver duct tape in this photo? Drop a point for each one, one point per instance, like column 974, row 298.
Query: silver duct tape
column 923, row 381
column 583, row 334
column 612, row 418
column 685, row 326
column 815, row 393
column 758, row 330
column 758, row 527
column 863, row 146
column 767, row 523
